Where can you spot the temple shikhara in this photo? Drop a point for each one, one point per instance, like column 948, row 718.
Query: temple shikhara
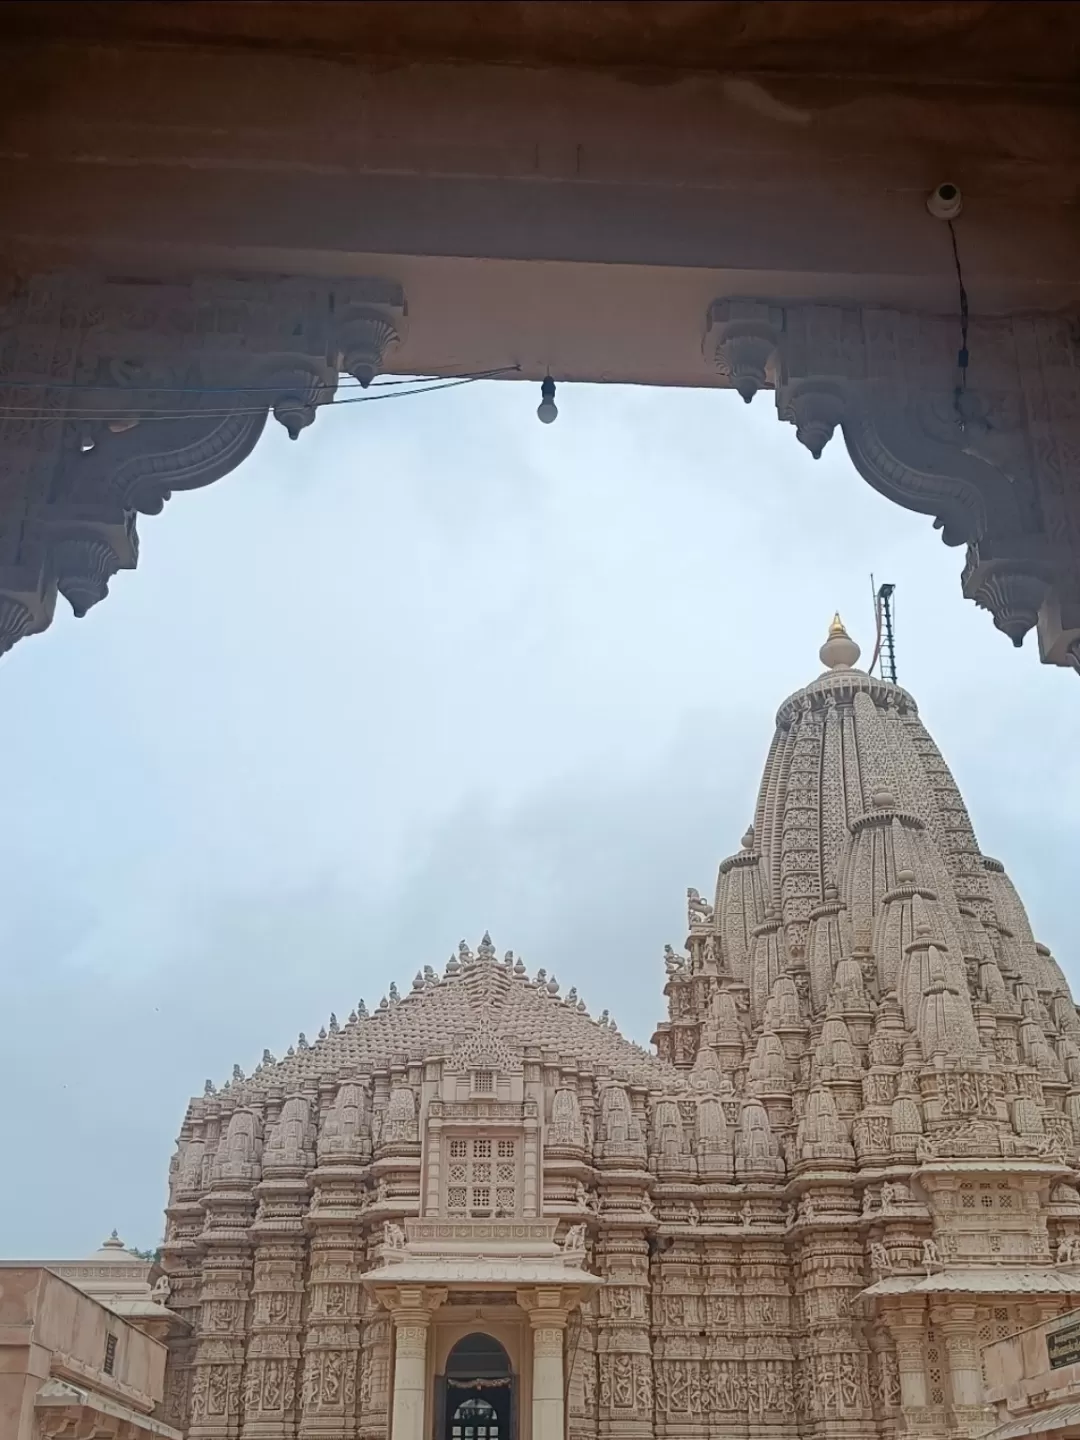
column 480, row 1213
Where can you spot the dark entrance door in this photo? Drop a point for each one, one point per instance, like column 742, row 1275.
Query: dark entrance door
column 477, row 1392
column 476, row 1419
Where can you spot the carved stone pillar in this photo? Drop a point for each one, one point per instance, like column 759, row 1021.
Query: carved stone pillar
column 582, row 1386
column 547, row 1311
column 765, row 1331
column 957, row 1325
column 531, row 1167
column 115, row 395
column 548, row 1413
column 226, row 1241
column 907, row 1323
column 408, row 1416
column 271, row 1371
column 828, row 1278
column 625, row 1352
column 338, row 1258
column 885, row 1377
column 411, row 1313
column 376, row 1364
column 332, row 1350
column 181, row 1259
column 434, row 1157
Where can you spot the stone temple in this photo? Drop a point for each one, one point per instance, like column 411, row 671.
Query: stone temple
column 479, row 1213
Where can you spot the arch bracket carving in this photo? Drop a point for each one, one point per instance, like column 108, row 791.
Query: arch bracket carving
column 996, row 462
column 113, row 395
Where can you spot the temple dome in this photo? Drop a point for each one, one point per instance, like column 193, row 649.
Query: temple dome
column 113, row 1251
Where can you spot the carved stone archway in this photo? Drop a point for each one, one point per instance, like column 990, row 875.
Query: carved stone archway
column 478, row 1372
column 113, row 395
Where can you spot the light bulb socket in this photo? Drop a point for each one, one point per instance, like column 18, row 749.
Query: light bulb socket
column 547, row 411
column 945, row 201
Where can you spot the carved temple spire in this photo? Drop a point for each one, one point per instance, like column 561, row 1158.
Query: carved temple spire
column 865, row 1092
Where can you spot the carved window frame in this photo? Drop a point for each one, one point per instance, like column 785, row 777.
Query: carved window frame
column 488, row 1166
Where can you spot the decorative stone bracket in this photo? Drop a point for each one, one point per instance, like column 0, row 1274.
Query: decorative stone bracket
column 115, row 394
column 995, row 460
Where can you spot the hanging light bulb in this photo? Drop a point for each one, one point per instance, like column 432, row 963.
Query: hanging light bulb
column 547, row 411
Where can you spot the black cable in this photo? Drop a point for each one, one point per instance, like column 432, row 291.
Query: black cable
column 123, row 412
column 962, row 354
column 150, row 385
column 345, row 382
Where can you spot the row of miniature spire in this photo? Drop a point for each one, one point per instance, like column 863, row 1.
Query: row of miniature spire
column 462, row 960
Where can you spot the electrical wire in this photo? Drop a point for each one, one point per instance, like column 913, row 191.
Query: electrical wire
column 345, row 382
column 208, row 412
column 128, row 412
column 962, row 354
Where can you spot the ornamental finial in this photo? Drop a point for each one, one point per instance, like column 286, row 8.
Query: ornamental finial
column 839, row 651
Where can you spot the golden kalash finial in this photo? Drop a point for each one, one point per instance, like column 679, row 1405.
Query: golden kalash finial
column 839, row 651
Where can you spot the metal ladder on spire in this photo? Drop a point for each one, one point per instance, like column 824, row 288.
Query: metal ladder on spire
column 885, row 645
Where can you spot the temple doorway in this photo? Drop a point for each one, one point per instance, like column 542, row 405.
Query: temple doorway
column 477, row 1392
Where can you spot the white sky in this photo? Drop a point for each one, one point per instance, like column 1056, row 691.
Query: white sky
column 435, row 668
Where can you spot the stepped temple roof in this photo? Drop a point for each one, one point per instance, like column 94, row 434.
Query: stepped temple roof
column 480, row 1002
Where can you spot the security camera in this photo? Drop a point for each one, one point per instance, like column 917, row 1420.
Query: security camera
column 945, row 202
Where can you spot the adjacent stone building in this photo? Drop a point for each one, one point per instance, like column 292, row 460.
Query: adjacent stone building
column 83, row 1348
column 478, row 1212
column 1033, row 1378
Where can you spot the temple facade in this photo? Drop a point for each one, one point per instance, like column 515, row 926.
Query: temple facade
column 845, row 1167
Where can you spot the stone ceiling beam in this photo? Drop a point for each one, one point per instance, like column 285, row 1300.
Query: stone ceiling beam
column 130, row 152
